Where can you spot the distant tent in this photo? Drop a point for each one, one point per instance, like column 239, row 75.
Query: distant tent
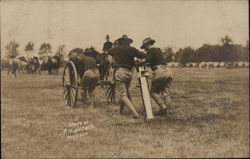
column 202, row 64
column 235, row 64
column 246, row 64
column 222, row 64
column 240, row 64
column 194, row 64
column 188, row 65
column 170, row 64
column 176, row 64
column 215, row 64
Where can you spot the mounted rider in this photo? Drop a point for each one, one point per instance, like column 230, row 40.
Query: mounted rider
column 107, row 45
column 123, row 56
column 105, row 62
column 162, row 75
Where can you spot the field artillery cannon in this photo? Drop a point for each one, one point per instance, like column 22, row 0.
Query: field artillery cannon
column 72, row 82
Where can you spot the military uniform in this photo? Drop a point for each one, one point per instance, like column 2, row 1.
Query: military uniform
column 91, row 73
column 90, row 77
column 107, row 45
column 123, row 63
column 162, row 75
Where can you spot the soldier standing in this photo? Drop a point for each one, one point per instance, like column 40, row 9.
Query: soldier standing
column 162, row 75
column 123, row 63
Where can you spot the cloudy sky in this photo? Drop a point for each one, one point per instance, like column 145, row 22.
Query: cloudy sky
column 85, row 23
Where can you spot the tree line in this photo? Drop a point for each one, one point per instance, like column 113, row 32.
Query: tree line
column 44, row 50
column 226, row 51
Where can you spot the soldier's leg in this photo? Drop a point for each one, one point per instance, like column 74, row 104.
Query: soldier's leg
column 91, row 88
column 167, row 87
column 156, row 88
column 125, row 100
column 123, row 79
column 166, row 92
column 92, row 99
column 127, row 89
column 158, row 99
column 84, row 91
column 129, row 97
column 84, row 96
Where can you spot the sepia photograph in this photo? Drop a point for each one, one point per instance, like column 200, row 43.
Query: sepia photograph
column 124, row 79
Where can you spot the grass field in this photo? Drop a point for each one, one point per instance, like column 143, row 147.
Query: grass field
column 210, row 118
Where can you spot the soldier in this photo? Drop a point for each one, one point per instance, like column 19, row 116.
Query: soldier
column 86, row 66
column 123, row 56
column 90, row 78
column 116, row 43
column 162, row 75
column 107, row 45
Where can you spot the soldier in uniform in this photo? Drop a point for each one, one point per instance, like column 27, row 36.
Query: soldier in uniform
column 162, row 75
column 123, row 64
column 90, row 74
column 90, row 78
column 107, row 45
column 116, row 43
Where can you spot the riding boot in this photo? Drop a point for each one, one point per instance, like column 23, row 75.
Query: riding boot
column 159, row 101
column 129, row 104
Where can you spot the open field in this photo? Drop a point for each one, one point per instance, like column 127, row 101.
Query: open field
column 210, row 118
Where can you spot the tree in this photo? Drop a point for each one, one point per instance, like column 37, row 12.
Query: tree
column 29, row 46
column 226, row 40
column 185, row 55
column 168, row 54
column 45, row 49
column 207, row 53
column 245, row 56
column 12, row 49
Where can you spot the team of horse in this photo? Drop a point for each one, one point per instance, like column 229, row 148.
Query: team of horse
column 34, row 65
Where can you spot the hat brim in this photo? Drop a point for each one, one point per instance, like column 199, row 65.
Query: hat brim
column 128, row 40
column 151, row 42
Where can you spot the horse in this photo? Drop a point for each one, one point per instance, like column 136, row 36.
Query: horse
column 56, row 64
column 32, row 65
column 47, row 65
column 22, row 62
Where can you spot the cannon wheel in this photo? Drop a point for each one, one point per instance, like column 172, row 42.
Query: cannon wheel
column 70, row 84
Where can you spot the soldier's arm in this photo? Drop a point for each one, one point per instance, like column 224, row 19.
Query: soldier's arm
column 138, row 53
column 103, row 48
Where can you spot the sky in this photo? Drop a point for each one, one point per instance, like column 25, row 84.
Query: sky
column 83, row 24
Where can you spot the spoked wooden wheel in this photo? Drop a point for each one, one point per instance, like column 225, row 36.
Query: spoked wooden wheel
column 70, row 84
column 112, row 94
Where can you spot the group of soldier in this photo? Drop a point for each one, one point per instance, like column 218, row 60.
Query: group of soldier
column 123, row 61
